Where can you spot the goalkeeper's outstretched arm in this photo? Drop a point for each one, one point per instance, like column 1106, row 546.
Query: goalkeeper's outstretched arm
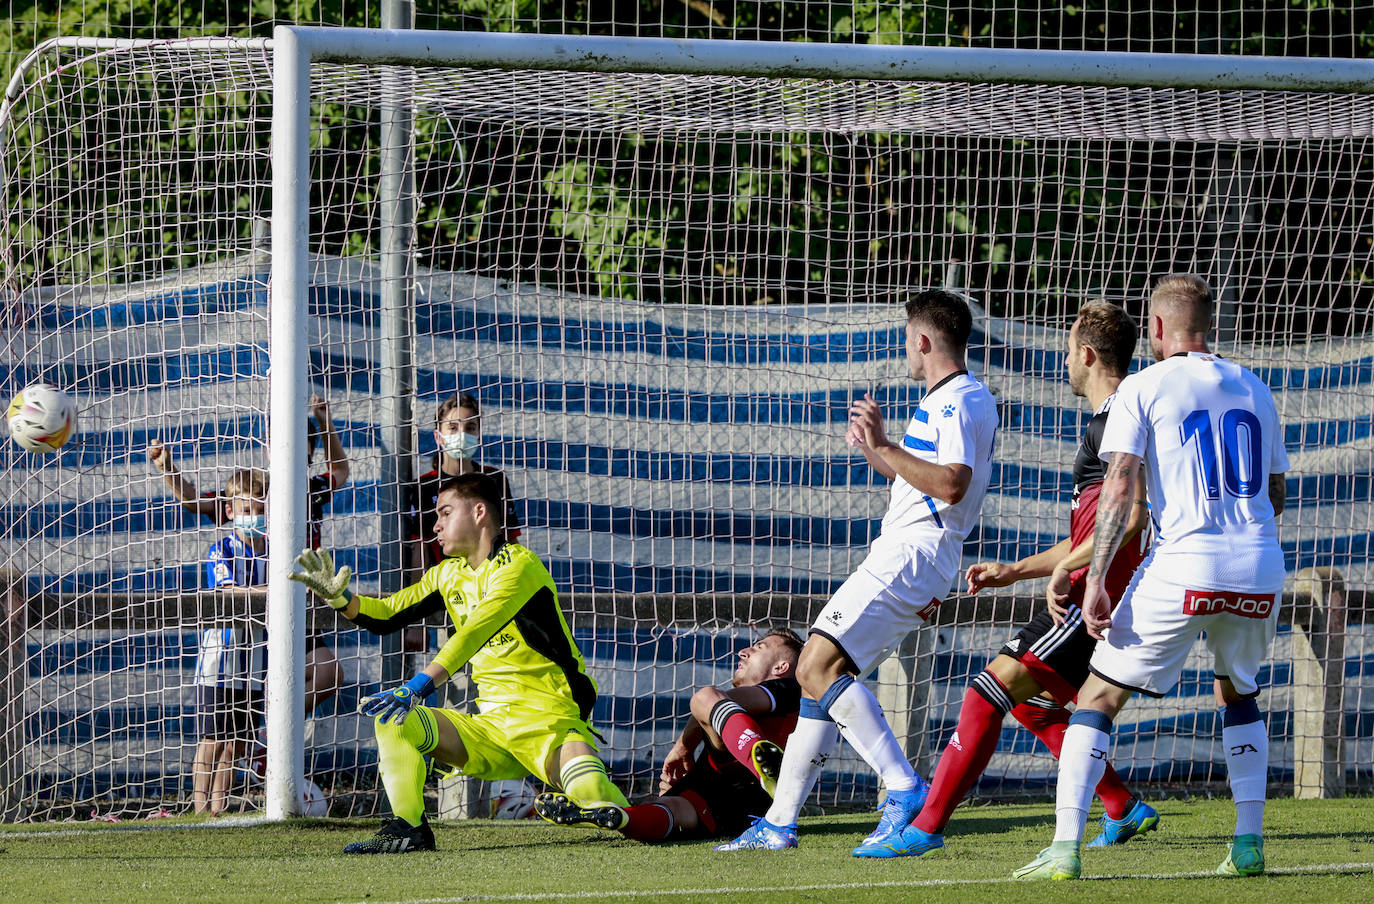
column 384, row 615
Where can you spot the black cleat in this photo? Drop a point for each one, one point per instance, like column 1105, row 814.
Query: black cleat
column 560, row 810
column 396, row 837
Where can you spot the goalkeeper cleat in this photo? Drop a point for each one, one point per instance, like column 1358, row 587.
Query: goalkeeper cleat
column 396, row 837
column 899, row 809
column 1140, row 819
column 762, row 836
column 767, row 758
column 560, row 810
column 909, row 842
column 1058, row 861
column 1246, row 857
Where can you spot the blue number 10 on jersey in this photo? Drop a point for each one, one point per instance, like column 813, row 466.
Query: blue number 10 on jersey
column 1242, row 451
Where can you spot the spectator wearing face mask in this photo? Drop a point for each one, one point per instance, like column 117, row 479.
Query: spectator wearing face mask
column 323, row 674
column 458, row 434
column 319, row 432
column 232, row 652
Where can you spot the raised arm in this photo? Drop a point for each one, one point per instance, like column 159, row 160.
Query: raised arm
column 335, row 458
column 183, row 489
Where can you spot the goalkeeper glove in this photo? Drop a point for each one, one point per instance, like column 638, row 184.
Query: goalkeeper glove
column 395, row 705
column 317, row 572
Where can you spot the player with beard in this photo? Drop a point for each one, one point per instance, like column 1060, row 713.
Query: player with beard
column 1050, row 654
column 740, row 730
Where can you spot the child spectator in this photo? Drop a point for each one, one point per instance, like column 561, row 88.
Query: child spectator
column 323, row 674
column 231, row 660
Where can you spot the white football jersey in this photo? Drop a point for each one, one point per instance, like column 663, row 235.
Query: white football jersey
column 1209, row 433
column 955, row 423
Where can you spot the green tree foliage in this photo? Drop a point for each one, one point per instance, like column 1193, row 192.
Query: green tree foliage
column 785, row 217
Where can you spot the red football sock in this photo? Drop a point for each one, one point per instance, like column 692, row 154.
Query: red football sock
column 648, row 822
column 739, row 734
column 1048, row 725
column 968, row 753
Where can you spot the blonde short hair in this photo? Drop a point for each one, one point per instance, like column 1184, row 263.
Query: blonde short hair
column 1184, row 300
column 250, row 482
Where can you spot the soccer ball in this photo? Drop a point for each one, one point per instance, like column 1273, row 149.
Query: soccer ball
column 511, row 800
column 313, row 801
column 41, row 418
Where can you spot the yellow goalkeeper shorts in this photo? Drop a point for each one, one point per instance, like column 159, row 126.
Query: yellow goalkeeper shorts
column 510, row 743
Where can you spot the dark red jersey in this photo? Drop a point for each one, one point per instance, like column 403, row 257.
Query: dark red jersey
column 1088, row 473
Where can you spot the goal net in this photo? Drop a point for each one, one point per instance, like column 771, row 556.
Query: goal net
column 662, row 291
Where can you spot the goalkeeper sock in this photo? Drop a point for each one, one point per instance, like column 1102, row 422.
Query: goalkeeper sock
column 738, row 732
column 584, row 779
column 968, row 753
column 1048, row 724
column 1246, row 740
column 401, row 753
column 1081, row 764
column 648, row 822
column 853, row 707
column 808, row 748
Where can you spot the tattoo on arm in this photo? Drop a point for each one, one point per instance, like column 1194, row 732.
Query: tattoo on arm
column 1113, row 512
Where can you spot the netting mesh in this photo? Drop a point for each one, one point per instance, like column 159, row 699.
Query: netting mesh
column 663, row 292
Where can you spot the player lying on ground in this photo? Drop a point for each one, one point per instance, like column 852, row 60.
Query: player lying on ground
column 939, row 475
column 533, row 692
column 1051, row 652
column 740, row 731
column 1208, row 433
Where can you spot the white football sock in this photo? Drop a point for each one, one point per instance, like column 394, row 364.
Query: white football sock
column 1082, row 761
column 1247, row 767
column 860, row 718
column 808, row 748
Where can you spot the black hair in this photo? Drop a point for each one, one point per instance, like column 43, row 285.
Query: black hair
column 479, row 487
column 945, row 312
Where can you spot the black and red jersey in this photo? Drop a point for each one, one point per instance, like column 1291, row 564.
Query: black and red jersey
column 1088, row 473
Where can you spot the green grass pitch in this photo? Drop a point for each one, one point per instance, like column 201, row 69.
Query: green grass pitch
column 1316, row 850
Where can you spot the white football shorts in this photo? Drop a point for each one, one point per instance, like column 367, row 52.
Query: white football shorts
column 893, row 591
column 1156, row 622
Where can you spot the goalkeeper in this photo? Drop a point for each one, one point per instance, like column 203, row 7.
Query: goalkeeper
column 533, row 692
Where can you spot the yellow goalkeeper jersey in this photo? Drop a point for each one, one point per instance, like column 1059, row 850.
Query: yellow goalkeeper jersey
column 506, row 625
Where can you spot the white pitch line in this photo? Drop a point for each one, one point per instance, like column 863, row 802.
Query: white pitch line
column 841, row 886
column 223, row 822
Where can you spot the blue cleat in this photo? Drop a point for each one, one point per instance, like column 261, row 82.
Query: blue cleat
column 762, row 836
column 898, row 810
column 909, row 842
column 1246, row 857
column 1140, row 819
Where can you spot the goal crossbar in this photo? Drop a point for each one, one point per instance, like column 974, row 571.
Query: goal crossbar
column 773, row 59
